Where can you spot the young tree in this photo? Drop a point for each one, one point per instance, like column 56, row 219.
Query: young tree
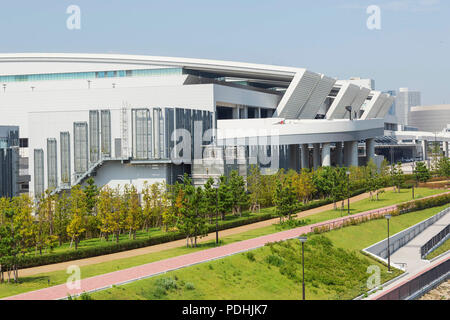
column 134, row 213
column 225, row 196
column 323, row 181
column 91, row 191
column 211, row 199
column 303, row 185
column 239, row 196
column 254, row 186
column 285, row 200
column 62, row 217
column 106, row 207
column 397, row 175
column 421, row 172
column 444, row 167
column 192, row 221
column 78, row 207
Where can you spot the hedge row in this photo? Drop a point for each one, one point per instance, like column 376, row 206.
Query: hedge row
column 404, row 208
column 112, row 247
column 422, row 204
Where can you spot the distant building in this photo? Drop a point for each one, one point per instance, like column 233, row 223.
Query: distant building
column 404, row 101
column 430, row 118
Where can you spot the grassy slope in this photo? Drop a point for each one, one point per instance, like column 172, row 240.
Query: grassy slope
column 441, row 249
column 58, row 277
column 237, row 277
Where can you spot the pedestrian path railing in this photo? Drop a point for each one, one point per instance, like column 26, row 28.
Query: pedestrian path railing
column 420, row 284
column 379, row 250
column 435, row 242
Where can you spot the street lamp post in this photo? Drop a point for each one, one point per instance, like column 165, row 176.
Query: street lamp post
column 388, row 217
column 217, row 216
column 303, row 240
column 348, row 192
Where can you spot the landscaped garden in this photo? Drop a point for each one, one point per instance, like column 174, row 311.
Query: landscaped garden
column 335, row 268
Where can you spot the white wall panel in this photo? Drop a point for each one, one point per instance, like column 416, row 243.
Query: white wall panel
column 385, row 108
column 344, row 98
column 373, row 106
column 317, row 98
column 297, row 94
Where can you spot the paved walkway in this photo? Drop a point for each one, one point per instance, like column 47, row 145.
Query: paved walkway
column 174, row 244
column 151, row 269
column 408, row 277
column 410, row 253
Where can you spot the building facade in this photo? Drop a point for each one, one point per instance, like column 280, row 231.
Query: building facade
column 129, row 119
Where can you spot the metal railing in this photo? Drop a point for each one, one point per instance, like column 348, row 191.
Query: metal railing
column 414, row 288
column 398, row 240
column 434, row 242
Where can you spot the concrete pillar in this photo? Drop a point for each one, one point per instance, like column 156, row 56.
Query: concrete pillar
column 305, row 156
column 236, row 112
column 424, row 149
column 326, row 155
column 257, row 113
column 339, row 155
column 370, row 149
column 446, row 148
column 316, row 155
column 244, row 112
column 294, row 157
column 351, row 153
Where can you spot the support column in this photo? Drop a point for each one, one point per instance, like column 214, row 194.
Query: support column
column 370, row 149
column 326, row 155
column 305, row 156
column 316, row 155
column 339, row 155
column 294, row 157
column 236, row 112
column 446, row 148
column 351, row 153
column 424, row 149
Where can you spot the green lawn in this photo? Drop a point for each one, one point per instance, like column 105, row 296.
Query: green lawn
column 261, row 274
column 441, row 249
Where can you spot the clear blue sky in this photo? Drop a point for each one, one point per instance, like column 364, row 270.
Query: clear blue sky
column 412, row 49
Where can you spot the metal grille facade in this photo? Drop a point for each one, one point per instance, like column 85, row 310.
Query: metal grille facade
column 141, row 133
column 106, row 133
column 94, row 136
column 38, row 172
column 80, row 142
column 52, row 165
column 65, row 157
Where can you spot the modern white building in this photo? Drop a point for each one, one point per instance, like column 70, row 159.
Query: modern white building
column 129, row 119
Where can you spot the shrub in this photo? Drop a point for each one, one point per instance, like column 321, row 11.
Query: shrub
column 189, row 286
column 250, row 256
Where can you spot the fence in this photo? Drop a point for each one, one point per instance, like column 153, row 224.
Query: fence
column 342, row 222
column 434, row 242
column 420, row 284
column 398, row 240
